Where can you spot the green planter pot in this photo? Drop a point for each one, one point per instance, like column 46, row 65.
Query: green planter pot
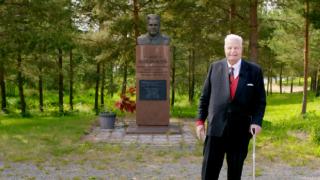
column 107, row 120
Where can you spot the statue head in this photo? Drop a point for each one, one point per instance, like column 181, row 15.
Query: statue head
column 153, row 24
column 153, row 36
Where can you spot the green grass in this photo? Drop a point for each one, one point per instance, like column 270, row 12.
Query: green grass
column 183, row 109
column 287, row 135
column 39, row 138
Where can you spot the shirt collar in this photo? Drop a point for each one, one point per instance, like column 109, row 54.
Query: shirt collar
column 236, row 68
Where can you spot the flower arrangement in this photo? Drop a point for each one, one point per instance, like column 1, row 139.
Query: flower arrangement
column 126, row 103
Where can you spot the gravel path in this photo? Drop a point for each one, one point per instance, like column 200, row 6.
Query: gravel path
column 179, row 170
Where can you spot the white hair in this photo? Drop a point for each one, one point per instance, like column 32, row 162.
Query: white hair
column 233, row 37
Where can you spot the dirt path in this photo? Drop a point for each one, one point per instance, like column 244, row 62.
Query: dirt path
column 286, row 89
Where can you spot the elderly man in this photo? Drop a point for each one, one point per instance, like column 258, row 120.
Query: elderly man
column 233, row 101
column 153, row 37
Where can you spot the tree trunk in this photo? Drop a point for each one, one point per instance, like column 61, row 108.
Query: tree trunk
column 103, row 79
column 60, row 81
column 40, row 82
column 232, row 14
column 40, row 93
column 208, row 62
column 271, row 85
column 136, row 19
column 318, row 83
column 299, row 81
column 71, row 73
column 306, row 54
column 20, row 86
column 111, row 85
column 173, row 83
column 191, row 76
column 268, row 84
column 253, row 43
column 125, row 76
column 270, row 75
column 96, row 97
column 3, row 89
column 313, row 85
column 280, row 79
column 40, row 87
column 291, row 85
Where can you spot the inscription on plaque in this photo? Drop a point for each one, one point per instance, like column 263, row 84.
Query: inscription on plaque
column 152, row 63
column 153, row 90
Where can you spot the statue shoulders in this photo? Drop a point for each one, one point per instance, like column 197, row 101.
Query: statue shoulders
column 142, row 39
column 145, row 39
column 143, row 36
column 165, row 39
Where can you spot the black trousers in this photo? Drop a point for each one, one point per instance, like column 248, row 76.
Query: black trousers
column 234, row 146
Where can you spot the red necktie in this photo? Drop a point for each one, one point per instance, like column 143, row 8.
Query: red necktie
column 231, row 75
column 233, row 83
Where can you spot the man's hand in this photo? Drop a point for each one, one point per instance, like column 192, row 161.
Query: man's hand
column 257, row 129
column 201, row 132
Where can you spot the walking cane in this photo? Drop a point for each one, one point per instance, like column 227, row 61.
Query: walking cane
column 254, row 155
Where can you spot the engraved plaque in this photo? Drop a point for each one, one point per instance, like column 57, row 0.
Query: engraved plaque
column 152, row 90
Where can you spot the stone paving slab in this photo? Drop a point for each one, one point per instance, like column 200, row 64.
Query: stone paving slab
column 119, row 136
column 171, row 129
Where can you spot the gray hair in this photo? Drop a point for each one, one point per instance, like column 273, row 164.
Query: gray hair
column 233, row 37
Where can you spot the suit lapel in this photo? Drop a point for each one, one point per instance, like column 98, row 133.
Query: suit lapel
column 243, row 74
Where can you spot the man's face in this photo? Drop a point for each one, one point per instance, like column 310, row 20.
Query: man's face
column 233, row 51
column 153, row 27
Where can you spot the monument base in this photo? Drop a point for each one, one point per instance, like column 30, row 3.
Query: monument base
column 133, row 128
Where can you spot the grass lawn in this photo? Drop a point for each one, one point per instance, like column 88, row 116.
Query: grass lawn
column 41, row 138
column 287, row 137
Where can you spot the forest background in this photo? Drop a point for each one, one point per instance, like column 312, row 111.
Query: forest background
column 59, row 51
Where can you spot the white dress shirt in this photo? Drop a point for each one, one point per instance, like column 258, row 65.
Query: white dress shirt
column 236, row 68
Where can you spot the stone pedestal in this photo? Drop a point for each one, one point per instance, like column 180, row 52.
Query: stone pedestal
column 153, row 84
column 170, row 129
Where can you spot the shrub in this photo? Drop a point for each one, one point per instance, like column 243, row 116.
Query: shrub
column 125, row 103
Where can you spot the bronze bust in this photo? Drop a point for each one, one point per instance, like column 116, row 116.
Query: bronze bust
column 153, row 37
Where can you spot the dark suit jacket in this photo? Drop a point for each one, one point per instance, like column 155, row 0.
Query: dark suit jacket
column 247, row 107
